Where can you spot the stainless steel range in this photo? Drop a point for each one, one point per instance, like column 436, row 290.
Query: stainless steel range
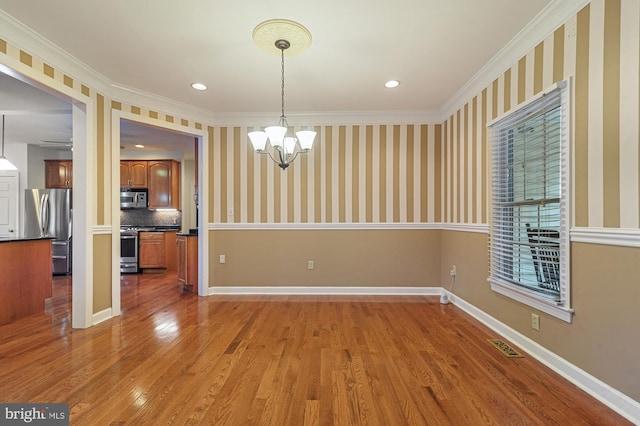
column 128, row 250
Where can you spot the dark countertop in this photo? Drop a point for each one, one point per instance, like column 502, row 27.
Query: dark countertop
column 163, row 228
column 191, row 233
column 13, row 240
column 152, row 228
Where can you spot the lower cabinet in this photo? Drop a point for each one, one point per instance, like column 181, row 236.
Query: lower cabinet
column 157, row 251
column 187, row 246
column 170, row 253
column 151, row 252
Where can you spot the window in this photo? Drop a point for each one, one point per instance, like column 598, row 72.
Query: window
column 529, row 226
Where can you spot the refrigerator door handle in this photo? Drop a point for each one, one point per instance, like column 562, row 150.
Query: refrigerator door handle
column 43, row 200
column 47, row 216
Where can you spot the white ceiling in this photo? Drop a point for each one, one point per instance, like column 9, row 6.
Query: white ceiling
column 433, row 47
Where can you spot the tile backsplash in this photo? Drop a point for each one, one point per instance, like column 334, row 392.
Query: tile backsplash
column 144, row 217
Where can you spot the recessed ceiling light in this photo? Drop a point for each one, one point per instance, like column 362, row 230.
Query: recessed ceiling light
column 139, row 146
column 391, row 84
column 198, row 86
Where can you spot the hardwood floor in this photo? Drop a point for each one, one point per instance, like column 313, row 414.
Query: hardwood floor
column 175, row 358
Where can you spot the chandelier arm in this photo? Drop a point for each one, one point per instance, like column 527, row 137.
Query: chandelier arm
column 269, row 154
column 295, row 155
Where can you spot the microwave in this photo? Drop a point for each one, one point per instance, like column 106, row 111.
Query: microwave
column 133, row 198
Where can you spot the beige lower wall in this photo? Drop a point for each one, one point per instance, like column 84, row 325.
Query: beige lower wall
column 603, row 337
column 376, row 258
column 101, row 272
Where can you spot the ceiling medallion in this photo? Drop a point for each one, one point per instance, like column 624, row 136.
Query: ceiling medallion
column 267, row 33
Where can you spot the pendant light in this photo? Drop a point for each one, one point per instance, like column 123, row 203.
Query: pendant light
column 4, row 163
column 285, row 147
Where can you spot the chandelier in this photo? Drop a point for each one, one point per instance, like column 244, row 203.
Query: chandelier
column 277, row 141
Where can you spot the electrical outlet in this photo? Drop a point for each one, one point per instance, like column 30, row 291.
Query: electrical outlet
column 535, row 322
column 223, row 258
column 453, row 271
column 310, row 265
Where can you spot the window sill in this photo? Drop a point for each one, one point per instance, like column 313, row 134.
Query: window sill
column 529, row 299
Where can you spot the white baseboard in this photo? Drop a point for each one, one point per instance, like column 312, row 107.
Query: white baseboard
column 101, row 316
column 614, row 399
column 325, row 291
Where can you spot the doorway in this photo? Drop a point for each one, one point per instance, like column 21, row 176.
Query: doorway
column 47, row 113
column 165, row 142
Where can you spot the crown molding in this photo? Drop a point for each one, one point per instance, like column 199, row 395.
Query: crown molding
column 336, row 118
column 152, row 101
column 555, row 14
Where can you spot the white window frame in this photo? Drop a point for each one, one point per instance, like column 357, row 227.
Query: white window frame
column 559, row 309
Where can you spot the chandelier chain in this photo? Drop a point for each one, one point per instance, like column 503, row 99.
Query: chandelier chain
column 282, row 81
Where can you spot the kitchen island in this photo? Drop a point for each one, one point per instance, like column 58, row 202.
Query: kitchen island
column 25, row 281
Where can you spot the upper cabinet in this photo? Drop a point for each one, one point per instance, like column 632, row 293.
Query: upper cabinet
column 133, row 174
column 58, row 173
column 163, row 184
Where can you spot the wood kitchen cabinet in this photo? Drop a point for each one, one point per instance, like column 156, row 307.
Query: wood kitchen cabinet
column 163, row 184
column 170, row 251
column 187, row 246
column 133, row 174
column 25, row 282
column 151, row 254
column 58, row 173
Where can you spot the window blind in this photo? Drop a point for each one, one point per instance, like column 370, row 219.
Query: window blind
column 528, row 237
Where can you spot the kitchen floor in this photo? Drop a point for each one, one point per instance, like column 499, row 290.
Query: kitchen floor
column 58, row 308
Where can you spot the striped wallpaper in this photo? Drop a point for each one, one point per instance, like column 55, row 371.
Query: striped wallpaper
column 432, row 173
column 599, row 49
column 354, row 174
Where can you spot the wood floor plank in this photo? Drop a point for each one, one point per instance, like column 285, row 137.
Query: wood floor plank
column 175, row 358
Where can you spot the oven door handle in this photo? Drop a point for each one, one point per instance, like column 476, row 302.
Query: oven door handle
column 128, row 237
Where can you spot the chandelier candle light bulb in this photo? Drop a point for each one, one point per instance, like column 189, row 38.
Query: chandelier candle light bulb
column 285, row 147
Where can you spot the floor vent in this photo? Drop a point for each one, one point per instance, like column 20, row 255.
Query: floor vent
column 503, row 347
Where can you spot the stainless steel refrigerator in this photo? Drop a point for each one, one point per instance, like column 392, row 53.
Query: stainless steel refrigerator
column 48, row 213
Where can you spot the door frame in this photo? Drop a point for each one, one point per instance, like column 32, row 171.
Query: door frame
column 203, row 196
column 83, row 111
